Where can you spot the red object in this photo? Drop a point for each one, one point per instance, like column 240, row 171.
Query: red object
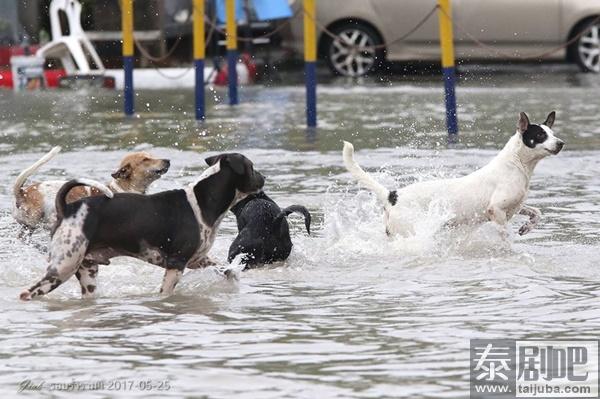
column 4, row 56
column 109, row 82
column 8, row 51
column 250, row 64
column 6, row 79
column 52, row 77
column 223, row 76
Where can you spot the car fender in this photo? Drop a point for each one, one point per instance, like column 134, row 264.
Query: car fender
column 575, row 11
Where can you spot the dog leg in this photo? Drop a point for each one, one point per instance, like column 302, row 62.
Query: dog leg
column 534, row 215
column 170, row 280
column 498, row 216
column 67, row 252
column 201, row 263
column 25, row 233
column 61, row 268
column 86, row 274
column 252, row 248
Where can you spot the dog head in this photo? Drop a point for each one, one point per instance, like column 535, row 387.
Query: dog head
column 539, row 139
column 138, row 170
column 245, row 178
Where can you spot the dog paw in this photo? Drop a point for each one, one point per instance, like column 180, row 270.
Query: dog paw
column 526, row 228
column 201, row 263
column 25, row 295
column 227, row 273
column 230, row 274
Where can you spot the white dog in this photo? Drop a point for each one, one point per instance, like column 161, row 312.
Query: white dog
column 494, row 193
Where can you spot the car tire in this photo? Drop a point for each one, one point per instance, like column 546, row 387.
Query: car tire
column 586, row 50
column 347, row 60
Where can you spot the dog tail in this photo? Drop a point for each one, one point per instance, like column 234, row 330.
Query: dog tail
column 24, row 175
column 291, row 209
column 61, row 197
column 364, row 178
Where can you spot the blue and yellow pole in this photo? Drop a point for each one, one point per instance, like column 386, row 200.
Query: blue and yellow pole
column 232, row 55
column 448, row 69
column 310, row 62
column 127, row 27
column 199, row 54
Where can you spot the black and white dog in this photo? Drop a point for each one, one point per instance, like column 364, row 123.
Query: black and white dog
column 493, row 193
column 173, row 229
column 264, row 233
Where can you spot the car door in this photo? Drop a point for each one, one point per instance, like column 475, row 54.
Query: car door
column 399, row 17
column 518, row 26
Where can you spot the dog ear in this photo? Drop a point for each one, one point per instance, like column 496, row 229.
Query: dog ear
column 237, row 163
column 523, row 122
column 210, row 161
column 550, row 119
column 123, row 172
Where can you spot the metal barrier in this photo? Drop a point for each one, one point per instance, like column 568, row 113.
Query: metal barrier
column 311, row 23
column 310, row 62
column 232, row 55
column 127, row 27
column 448, row 69
column 310, row 56
column 199, row 54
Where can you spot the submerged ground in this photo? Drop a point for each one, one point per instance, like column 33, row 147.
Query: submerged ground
column 350, row 314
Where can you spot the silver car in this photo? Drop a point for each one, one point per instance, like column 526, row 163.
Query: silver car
column 368, row 31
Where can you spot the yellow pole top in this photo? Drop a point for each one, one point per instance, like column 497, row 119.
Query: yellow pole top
column 127, row 27
column 310, row 31
column 446, row 33
column 199, row 39
column 231, row 24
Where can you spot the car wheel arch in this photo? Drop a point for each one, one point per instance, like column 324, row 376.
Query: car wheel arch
column 575, row 29
column 341, row 22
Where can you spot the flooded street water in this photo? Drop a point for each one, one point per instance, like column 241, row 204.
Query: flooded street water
column 350, row 314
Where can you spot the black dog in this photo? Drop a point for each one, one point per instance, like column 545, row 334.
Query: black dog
column 263, row 230
column 173, row 229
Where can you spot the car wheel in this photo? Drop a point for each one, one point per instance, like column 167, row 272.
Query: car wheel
column 353, row 53
column 587, row 49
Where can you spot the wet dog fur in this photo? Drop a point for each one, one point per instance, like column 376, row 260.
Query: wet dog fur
column 34, row 204
column 263, row 230
column 493, row 193
column 172, row 229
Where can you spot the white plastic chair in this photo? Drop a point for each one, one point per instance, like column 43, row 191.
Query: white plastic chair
column 75, row 49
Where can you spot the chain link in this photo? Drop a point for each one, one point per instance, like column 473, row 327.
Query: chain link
column 215, row 28
column 541, row 55
column 380, row 46
column 263, row 36
column 152, row 58
column 176, row 77
column 181, row 75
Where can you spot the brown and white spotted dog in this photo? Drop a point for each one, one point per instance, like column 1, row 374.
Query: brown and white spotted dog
column 172, row 229
column 34, row 204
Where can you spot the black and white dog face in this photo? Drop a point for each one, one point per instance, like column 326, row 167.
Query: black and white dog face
column 540, row 139
column 246, row 179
